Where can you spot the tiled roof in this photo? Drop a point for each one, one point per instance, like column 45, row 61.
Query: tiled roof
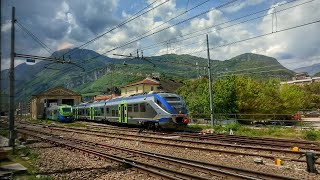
column 105, row 97
column 145, row 81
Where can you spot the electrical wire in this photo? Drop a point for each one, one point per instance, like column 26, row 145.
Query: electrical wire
column 174, row 40
column 131, row 18
column 138, row 39
column 34, row 37
column 260, row 36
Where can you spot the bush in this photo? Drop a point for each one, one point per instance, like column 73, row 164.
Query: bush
column 311, row 135
column 234, row 126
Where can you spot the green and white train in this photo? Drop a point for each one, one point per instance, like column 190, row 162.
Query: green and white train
column 63, row 113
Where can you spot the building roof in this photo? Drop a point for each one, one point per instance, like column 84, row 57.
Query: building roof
column 57, row 91
column 301, row 80
column 104, row 97
column 145, row 81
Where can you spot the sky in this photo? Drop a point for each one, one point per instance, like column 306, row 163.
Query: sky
column 168, row 26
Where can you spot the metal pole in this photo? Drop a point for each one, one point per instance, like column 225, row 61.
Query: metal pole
column 11, row 87
column 210, row 84
column 0, row 58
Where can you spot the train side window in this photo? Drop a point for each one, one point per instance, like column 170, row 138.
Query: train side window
column 135, row 108
column 113, row 112
column 102, row 110
column 129, row 107
column 142, row 107
column 97, row 111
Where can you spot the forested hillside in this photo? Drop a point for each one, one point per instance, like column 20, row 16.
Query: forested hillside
column 99, row 75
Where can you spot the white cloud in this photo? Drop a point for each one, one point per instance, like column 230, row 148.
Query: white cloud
column 235, row 7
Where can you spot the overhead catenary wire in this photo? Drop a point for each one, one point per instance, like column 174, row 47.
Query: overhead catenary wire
column 261, row 35
column 138, row 39
column 34, row 37
column 174, row 40
column 175, row 17
column 131, row 18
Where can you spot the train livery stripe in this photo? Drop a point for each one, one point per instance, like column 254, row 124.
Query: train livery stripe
column 164, row 102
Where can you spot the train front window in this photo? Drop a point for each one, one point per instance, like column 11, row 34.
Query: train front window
column 66, row 109
column 178, row 107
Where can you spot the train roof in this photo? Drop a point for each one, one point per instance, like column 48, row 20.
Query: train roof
column 136, row 96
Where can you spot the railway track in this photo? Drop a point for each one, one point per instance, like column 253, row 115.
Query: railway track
column 198, row 145
column 157, row 164
column 274, row 142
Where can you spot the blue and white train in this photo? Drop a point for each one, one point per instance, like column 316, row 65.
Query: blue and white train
column 165, row 110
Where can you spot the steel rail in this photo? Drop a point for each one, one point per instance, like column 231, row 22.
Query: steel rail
column 233, row 138
column 237, row 172
column 83, row 131
column 283, row 143
column 210, row 143
column 160, row 171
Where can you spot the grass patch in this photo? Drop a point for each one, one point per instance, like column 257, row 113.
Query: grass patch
column 4, row 133
column 272, row 131
column 28, row 163
column 75, row 124
column 68, row 124
column 312, row 135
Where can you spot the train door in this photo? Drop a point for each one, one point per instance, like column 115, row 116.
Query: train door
column 91, row 113
column 75, row 113
column 123, row 112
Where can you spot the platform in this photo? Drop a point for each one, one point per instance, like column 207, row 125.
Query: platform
column 15, row 168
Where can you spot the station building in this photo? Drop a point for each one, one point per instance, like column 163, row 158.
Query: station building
column 54, row 96
column 143, row 86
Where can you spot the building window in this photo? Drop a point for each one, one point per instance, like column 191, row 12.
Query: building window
column 151, row 88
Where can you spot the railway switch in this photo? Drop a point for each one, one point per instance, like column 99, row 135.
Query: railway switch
column 311, row 159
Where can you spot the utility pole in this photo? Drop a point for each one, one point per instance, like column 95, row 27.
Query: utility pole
column 210, row 84
column 11, row 86
column 0, row 57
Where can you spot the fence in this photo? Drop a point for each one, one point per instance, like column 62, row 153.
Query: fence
column 302, row 120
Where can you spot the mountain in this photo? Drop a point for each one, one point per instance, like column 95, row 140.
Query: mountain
column 97, row 76
column 311, row 70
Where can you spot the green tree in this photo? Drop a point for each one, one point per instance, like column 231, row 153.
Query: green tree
column 292, row 98
column 224, row 95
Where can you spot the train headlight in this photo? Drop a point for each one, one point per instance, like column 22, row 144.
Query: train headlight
column 186, row 120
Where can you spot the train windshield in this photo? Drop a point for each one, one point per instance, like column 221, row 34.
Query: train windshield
column 176, row 104
column 66, row 109
column 178, row 107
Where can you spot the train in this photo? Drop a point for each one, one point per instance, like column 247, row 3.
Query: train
column 150, row 110
column 63, row 113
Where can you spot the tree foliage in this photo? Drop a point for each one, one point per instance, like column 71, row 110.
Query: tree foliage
column 239, row 94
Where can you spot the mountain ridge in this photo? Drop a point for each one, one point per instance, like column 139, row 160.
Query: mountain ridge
column 104, row 72
column 311, row 70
